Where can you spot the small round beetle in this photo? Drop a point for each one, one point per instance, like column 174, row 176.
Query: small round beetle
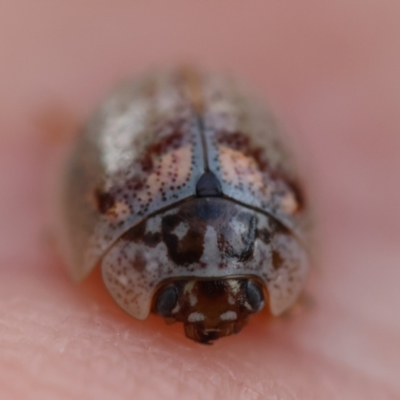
column 181, row 188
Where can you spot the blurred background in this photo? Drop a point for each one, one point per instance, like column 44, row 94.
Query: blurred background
column 330, row 70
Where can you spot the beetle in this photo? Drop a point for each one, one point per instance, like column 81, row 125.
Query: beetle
column 182, row 189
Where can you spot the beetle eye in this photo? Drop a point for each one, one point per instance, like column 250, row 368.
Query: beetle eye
column 166, row 301
column 255, row 296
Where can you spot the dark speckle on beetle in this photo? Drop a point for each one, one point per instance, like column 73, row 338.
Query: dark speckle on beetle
column 104, row 201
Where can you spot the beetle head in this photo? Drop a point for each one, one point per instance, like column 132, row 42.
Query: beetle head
column 209, row 309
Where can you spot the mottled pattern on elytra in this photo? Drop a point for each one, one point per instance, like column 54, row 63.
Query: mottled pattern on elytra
column 129, row 192
column 245, row 150
column 204, row 237
column 140, row 152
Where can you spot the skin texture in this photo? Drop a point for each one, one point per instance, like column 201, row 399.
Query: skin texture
column 332, row 71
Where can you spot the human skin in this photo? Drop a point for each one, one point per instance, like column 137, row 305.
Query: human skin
column 331, row 71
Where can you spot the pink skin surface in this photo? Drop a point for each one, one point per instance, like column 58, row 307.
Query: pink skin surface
column 332, row 70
